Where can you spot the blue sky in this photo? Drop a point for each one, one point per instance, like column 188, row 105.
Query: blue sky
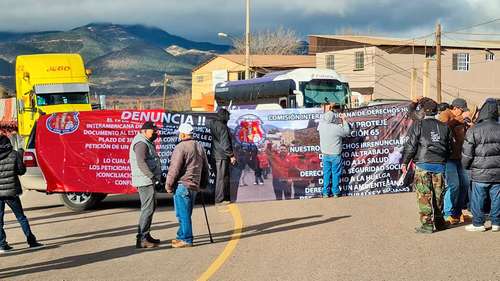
column 201, row 19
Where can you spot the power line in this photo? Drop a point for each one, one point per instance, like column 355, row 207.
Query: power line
column 473, row 26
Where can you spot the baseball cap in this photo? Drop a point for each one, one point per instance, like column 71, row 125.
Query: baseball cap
column 149, row 126
column 186, row 129
column 460, row 103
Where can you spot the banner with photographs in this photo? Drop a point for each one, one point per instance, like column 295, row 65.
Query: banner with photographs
column 278, row 153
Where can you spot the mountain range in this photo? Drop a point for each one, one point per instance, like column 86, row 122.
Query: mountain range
column 125, row 59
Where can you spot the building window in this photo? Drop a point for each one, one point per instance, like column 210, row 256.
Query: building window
column 461, row 61
column 490, row 56
column 199, row 79
column 241, row 75
column 330, row 61
column 359, row 61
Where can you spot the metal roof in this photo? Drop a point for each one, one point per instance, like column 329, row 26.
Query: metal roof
column 388, row 41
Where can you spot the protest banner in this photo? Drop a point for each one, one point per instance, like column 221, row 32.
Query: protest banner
column 278, row 152
column 279, row 157
column 89, row 151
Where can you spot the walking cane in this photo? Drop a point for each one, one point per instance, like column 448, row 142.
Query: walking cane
column 206, row 217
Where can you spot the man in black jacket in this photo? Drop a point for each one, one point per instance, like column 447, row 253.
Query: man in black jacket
column 429, row 146
column 11, row 167
column 481, row 154
column 222, row 151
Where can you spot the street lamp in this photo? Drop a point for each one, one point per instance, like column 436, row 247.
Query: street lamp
column 247, row 40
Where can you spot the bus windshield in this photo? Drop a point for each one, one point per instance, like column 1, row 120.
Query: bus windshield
column 62, row 98
column 320, row 91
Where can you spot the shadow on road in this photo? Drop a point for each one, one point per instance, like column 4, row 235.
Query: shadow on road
column 267, row 228
column 75, row 261
column 60, row 215
column 126, row 251
column 106, row 233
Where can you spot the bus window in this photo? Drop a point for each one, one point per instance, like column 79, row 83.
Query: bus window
column 320, row 91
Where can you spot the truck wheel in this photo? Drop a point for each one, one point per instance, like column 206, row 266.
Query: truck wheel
column 81, row 201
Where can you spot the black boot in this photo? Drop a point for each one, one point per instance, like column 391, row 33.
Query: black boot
column 152, row 240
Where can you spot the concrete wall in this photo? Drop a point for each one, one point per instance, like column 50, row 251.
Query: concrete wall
column 388, row 70
column 393, row 70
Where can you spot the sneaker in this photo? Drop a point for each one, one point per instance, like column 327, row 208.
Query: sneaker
column 5, row 248
column 262, row 183
column 452, row 220
column 143, row 244
column 473, row 228
column 36, row 245
column 180, row 244
column 336, row 195
column 495, row 228
column 151, row 239
column 325, row 196
column 423, row 230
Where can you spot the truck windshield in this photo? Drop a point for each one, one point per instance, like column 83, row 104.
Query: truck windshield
column 320, row 91
column 62, row 98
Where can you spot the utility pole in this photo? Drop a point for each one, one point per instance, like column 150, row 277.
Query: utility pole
column 438, row 62
column 413, row 89
column 247, row 42
column 165, row 81
column 425, row 79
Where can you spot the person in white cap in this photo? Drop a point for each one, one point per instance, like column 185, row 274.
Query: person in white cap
column 187, row 174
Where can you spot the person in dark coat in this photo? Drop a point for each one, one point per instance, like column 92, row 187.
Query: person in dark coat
column 222, row 151
column 11, row 167
column 481, row 154
column 429, row 146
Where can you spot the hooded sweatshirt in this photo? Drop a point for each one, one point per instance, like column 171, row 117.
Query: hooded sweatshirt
column 11, row 166
column 481, row 150
column 331, row 134
column 222, row 146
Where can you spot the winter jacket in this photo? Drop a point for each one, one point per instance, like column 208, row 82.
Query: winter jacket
column 481, row 150
column 458, row 127
column 429, row 141
column 145, row 164
column 188, row 165
column 222, row 147
column 11, row 167
column 331, row 134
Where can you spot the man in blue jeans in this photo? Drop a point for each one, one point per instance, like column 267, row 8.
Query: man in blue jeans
column 457, row 181
column 481, row 154
column 187, row 174
column 330, row 139
column 11, row 167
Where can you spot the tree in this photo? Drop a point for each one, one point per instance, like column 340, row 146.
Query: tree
column 270, row 42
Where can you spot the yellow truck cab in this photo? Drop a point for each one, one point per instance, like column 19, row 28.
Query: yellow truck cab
column 48, row 83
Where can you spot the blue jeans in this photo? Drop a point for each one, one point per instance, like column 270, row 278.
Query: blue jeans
column 457, row 189
column 332, row 170
column 183, row 204
column 480, row 191
column 17, row 208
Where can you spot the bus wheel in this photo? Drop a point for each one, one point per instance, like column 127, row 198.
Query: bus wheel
column 81, row 201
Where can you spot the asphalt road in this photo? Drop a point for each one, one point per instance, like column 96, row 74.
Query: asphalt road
column 355, row 238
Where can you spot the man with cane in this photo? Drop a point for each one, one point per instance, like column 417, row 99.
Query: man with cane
column 187, row 175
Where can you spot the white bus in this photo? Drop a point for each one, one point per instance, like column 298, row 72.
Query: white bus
column 298, row 88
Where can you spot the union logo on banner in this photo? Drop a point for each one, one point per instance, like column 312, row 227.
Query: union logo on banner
column 63, row 123
column 249, row 130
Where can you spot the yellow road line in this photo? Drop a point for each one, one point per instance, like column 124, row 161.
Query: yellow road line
column 235, row 237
